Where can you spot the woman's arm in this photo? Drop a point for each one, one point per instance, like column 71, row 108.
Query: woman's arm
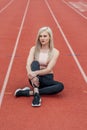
column 50, row 65
column 30, row 59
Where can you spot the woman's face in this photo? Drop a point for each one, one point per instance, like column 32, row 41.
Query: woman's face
column 44, row 38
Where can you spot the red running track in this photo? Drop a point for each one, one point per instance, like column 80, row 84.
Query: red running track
column 19, row 23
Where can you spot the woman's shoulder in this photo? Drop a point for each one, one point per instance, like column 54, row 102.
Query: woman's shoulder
column 56, row 51
column 32, row 48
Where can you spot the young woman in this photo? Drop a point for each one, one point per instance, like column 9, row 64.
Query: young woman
column 41, row 60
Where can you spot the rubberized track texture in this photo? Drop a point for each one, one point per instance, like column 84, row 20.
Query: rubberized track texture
column 19, row 24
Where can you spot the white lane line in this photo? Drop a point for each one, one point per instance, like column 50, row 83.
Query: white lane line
column 13, row 55
column 74, row 9
column 79, row 6
column 67, row 43
column 6, row 6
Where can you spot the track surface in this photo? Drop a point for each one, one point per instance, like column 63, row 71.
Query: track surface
column 19, row 23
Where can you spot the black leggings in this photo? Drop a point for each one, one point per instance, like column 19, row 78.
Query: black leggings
column 47, row 83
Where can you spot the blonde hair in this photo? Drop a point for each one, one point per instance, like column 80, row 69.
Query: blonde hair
column 38, row 44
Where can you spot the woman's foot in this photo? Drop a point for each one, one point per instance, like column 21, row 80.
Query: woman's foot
column 37, row 100
column 22, row 92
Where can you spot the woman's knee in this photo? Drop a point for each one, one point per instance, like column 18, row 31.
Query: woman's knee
column 60, row 87
column 35, row 66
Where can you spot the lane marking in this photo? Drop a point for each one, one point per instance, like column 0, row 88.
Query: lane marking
column 6, row 6
column 13, row 55
column 67, row 43
column 79, row 5
column 74, row 9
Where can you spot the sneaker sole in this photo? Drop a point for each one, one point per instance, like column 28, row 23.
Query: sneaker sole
column 26, row 88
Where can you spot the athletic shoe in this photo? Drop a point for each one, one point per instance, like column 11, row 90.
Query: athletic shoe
column 22, row 92
column 36, row 101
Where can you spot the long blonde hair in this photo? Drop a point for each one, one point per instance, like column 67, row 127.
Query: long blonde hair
column 38, row 44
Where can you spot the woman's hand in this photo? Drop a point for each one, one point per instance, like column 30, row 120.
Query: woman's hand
column 35, row 81
column 31, row 75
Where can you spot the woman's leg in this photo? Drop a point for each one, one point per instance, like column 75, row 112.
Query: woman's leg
column 26, row 91
column 35, row 66
column 49, row 86
column 52, row 89
column 37, row 100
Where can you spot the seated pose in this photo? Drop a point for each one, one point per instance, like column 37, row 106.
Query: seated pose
column 40, row 63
